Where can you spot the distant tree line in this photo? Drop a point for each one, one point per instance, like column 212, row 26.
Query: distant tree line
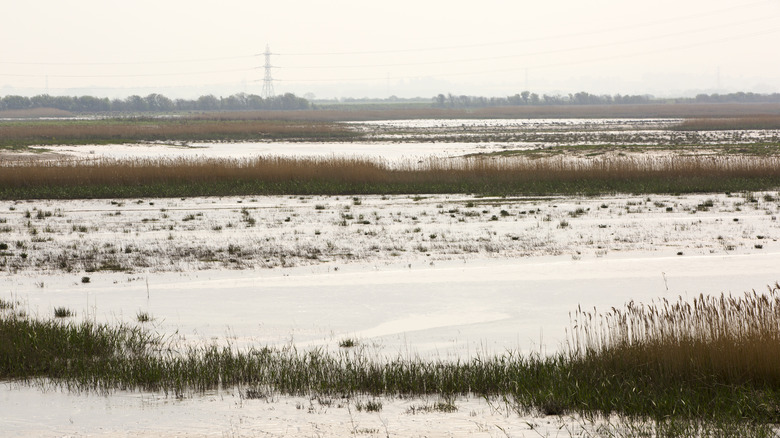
column 739, row 97
column 242, row 101
column 155, row 103
column 529, row 98
column 583, row 98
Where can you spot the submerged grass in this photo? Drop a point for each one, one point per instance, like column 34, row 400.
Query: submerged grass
column 681, row 365
column 110, row 178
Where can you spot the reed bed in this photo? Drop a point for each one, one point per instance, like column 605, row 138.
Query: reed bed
column 735, row 340
column 34, row 112
column 17, row 134
column 760, row 121
column 712, row 361
column 703, row 358
column 273, row 175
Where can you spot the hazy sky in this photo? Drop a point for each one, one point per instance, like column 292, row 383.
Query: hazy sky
column 345, row 48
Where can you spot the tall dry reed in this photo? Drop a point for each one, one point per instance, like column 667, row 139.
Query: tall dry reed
column 728, row 340
column 759, row 121
column 356, row 170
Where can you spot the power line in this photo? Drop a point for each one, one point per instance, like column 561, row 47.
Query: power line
column 541, row 52
column 128, row 75
column 405, row 50
column 561, row 64
column 268, row 84
column 180, row 61
column 527, row 40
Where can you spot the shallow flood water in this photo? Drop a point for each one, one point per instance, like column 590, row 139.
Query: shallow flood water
column 397, row 141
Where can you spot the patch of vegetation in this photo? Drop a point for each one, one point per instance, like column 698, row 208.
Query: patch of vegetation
column 18, row 134
column 684, row 364
column 765, row 121
column 369, row 406
column 143, row 317
column 62, row 312
column 348, row 343
column 339, row 176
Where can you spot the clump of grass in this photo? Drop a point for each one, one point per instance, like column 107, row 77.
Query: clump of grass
column 369, row 406
column 143, row 316
column 445, row 406
column 348, row 343
column 62, row 312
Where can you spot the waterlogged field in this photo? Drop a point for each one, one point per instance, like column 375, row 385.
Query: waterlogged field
column 451, row 278
column 451, row 289
column 395, row 140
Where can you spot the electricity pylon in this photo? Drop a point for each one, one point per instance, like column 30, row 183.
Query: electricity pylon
column 268, row 84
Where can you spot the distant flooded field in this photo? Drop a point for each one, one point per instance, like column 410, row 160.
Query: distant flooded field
column 394, row 140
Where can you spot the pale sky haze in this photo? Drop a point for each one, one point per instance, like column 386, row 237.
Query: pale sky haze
column 345, row 48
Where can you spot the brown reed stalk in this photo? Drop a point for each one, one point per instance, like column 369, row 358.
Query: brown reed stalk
column 735, row 340
column 755, row 121
column 363, row 170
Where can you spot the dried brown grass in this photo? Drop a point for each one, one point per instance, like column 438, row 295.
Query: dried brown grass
column 735, row 340
column 117, row 130
column 34, row 113
column 759, row 121
column 355, row 170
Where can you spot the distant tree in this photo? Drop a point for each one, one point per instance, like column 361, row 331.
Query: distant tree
column 136, row 103
column 230, row 103
column 159, row 103
column 43, row 101
column 254, row 102
column 208, row 103
column 184, row 105
column 15, row 102
column 91, row 104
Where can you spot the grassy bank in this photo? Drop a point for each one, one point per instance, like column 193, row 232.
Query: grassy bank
column 711, row 360
column 107, row 178
column 128, row 130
